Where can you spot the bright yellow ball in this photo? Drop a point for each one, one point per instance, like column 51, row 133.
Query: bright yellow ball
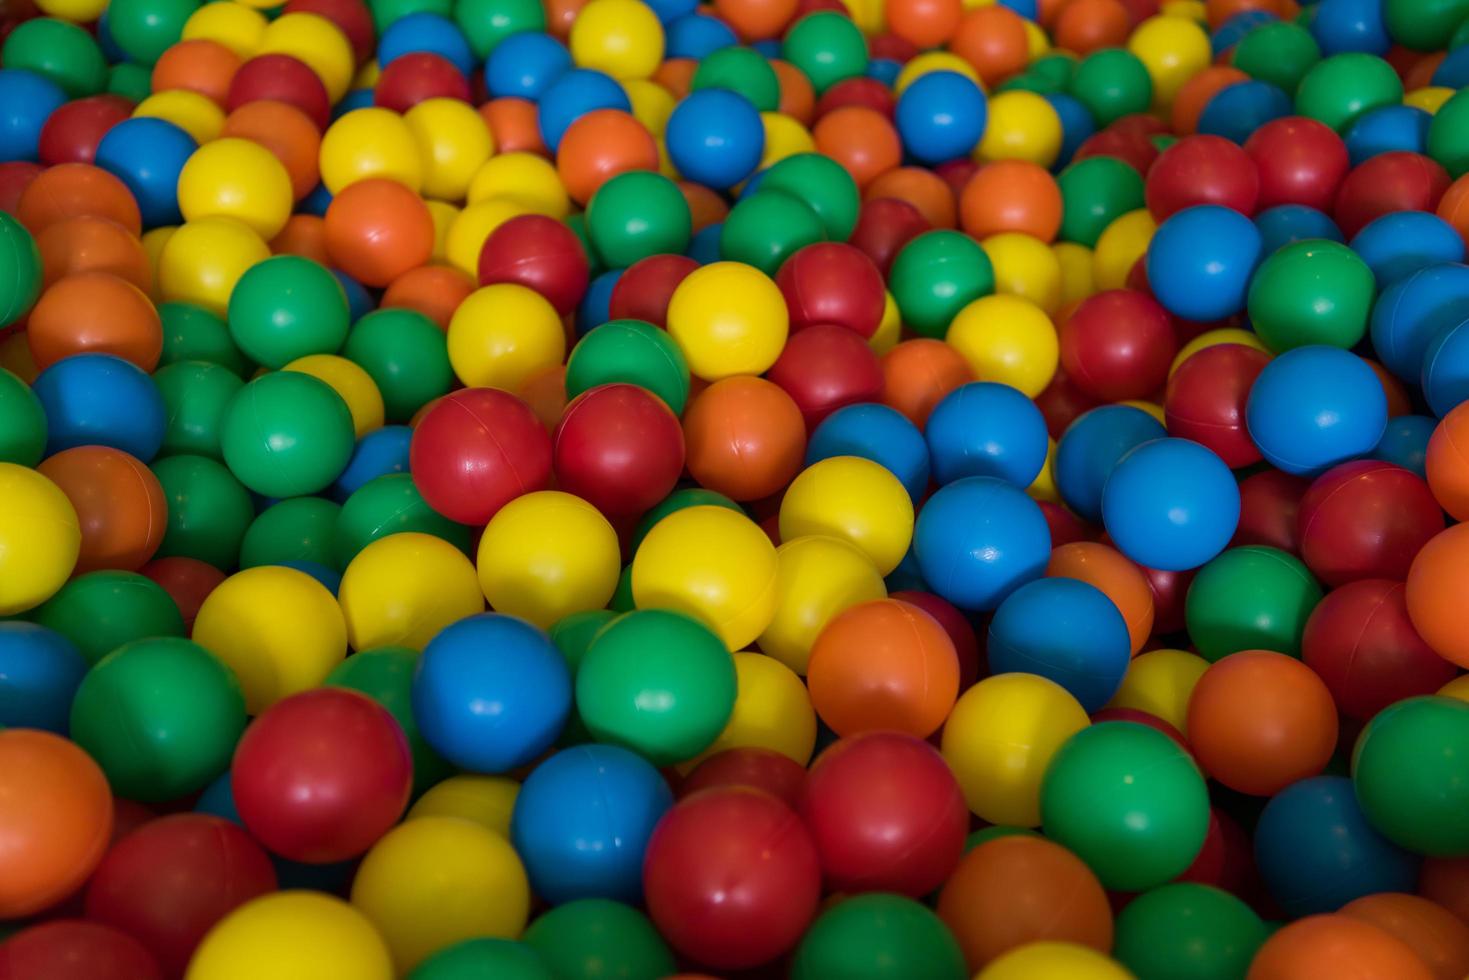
column 1121, row 244
column 76, row 11
column 202, row 260
column 526, row 179
column 889, row 328
column 713, row 564
column 453, row 141
column 652, row 104
column 1173, row 50
column 1009, row 340
column 316, row 42
column 1456, row 688
column 367, row 76
column 486, row 800
column 402, row 589
column 240, row 179
column 1053, row 961
column 1212, row 338
column 235, row 25
column 546, row 555
column 503, row 334
column 1076, row 271
column 1036, row 42
column 1430, row 98
column 729, row 318
column 467, row 233
column 869, row 15
column 784, row 137
column 623, row 38
column 1000, row 738
column 39, row 539
column 350, row 381
column 278, row 629
column 819, row 577
column 1194, row 10
column 292, row 935
column 153, row 241
column 1022, row 126
column 1152, row 408
column 444, row 215
column 366, row 143
column 189, row 111
column 1043, row 487
column 932, row 61
column 1026, row 267
column 853, row 499
column 772, row 711
column 1160, row 682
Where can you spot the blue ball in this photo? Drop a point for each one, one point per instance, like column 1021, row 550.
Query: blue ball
column 1405, row 443
column 1350, row 25
column 697, row 36
column 525, row 65
column 1233, row 30
column 704, row 246
column 1387, row 129
column 316, row 202
column 148, row 155
column 1236, row 111
column 1317, row 852
column 1414, row 310
column 582, row 821
column 1077, row 125
column 1446, row 369
column 330, row 578
column 39, row 673
column 1171, row 504
column 1029, row 9
column 907, row 577
column 358, row 98
column 1090, row 449
column 1399, row 244
column 668, row 11
column 885, row 70
column 359, row 300
column 986, row 429
column 940, row 117
column 1453, row 71
column 1286, row 223
column 26, row 102
column 379, row 453
column 1064, row 630
column 426, row 32
column 715, row 137
column 491, row 693
column 879, row 433
column 101, row 400
column 572, row 96
column 595, row 307
column 1200, row 262
column 979, row 539
column 1314, row 407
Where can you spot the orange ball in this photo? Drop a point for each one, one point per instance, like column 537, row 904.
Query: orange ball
column 924, row 23
column 95, row 313
column 1023, row 889
column 917, row 374
column 1420, row 73
column 559, row 16
column 1115, row 576
column 119, row 503
column 433, row 290
column 756, row 20
column 1398, row 403
column 514, row 126
column 993, row 39
column 1445, row 882
column 545, row 393
column 1447, row 462
column 1430, row 930
column 797, row 97
column 929, row 193
column 303, row 235
column 55, row 820
column 1438, row 593
column 745, row 437
column 287, row 132
column 1453, row 207
column 377, row 229
column 72, row 190
column 706, row 207
column 1189, row 103
column 1219, row 11
column 1336, row 946
column 1084, row 26
column 1011, row 195
column 676, row 75
column 1259, row 721
column 600, row 145
column 206, row 67
column 862, row 140
column 88, row 244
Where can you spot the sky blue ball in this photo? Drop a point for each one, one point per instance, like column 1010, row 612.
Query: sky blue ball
column 986, row 429
column 1412, row 311
column 704, row 245
column 525, row 65
column 1399, row 244
column 697, row 36
column 1240, row 109
column 1453, row 71
column 879, row 433
column 1233, row 30
column 39, row 673
column 426, row 32
column 357, row 98
column 1077, row 125
column 1090, row 448
column 1387, row 129
column 572, row 96
column 979, row 539
column 1200, row 262
column 1350, row 25
column 148, row 155
column 1314, row 407
column 1405, row 443
column 26, row 102
column 940, row 117
column 668, row 11
column 715, row 137
column 1064, row 630
column 1171, row 504
column 1446, row 369
column 596, row 303
column 1286, row 223
column 101, row 400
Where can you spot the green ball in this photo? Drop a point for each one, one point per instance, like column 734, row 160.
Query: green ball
column 1094, row 193
column 1311, row 292
column 390, row 504
column 286, row 434
column 195, row 394
column 1448, row 135
column 144, row 29
column 598, row 939
column 573, row 637
column 476, row 959
column 1028, row 81
column 986, row 834
column 21, row 261
column 1460, row 37
column 622, row 600
column 1278, row 53
column 1186, row 931
column 1250, row 598
column 386, row 12
column 299, row 529
column 22, row 422
column 407, row 357
column 828, row 47
column 768, row 227
column 208, row 510
column 1112, row 83
column 386, row 676
column 632, row 352
column 741, row 70
column 824, row 186
column 878, row 937
column 288, row 307
column 192, row 333
column 160, row 716
column 132, row 82
column 60, row 51
column 638, row 214
column 486, row 23
column 100, row 611
column 677, row 501
column 935, row 276
column 1055, row 69
column 1411, row 773
column 1339, row 89
column 1425, row 25
column 658, row 682
column 1127, row 800
column 578, row 225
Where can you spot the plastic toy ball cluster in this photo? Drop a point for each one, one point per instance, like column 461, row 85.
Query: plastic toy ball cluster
column 735, row 489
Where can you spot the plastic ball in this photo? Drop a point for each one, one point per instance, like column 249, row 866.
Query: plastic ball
column 119, row 505
column 1021, row 126
column 745, row 437
column 117, row 607
column 1405, row 444
column 1171, row 504
column 1200, row 262
column 1313, row 407
column 854, row 499
column 1160, row 682
column 582, row 936
column 1400, row 244
column 572, row 95
column 715, row 137
column 285, row 308
column 935, row 276
column 1187, row 925
column 762, row 769
column 377, row 230
column 30, row 99
column 148, row 155
column 41, row 538
column 1202, row 170
column 1007, row 339
column 380, row 610
column 502, row 334
column 1443, row 377
column 42, row 671
column 306, row 932
column 236, row 178
column 537, row 252
column 941, row 116
column 1065, row 630
column 1206, row 399
column 1090, row 448
column 637, row 214
column 824, row 576
column 509, row 449
column 1339, row 89
column 1117, row 345
column 366, row 144
column 880, row 434
column 282, row 78
column 766, row 228
column 772, row 714
column 1410, row 806
column 74, row 949
column 1250, row 598
column 203, row 261
column 978, row 539
column 1434, row 933
column 1388, row 182
column 82, row 397
column 547, row 555
column 729, row 319
column 619, row 447
column 1311, row 292
column 1366, row 519
column 524, row 65
column 286, row 434
column 883, row 929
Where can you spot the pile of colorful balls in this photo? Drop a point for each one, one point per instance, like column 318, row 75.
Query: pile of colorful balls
column 828, row 489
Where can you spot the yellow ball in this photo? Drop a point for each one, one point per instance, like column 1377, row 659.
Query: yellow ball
column 784, row 137
column 39, row 539
column 1160, row 682
column 547, row 555
column 367, row 76
column 623, row 38
column 1053, row 961
column 1021, row 126
column 1429, row 99
column 869, row 15
column 436, row 881
column 1037, row 44
column 932, row 61
column 355, row 386
column 444, row 215
column 292, row 935
column 316, row 42
column 1043, row 487
column 772, row 711
column 1194, row 10
column 1212, row 338
column 1000, row 738
column 366, row 143
column 189, row 111
column 1152, row 408
column 1026, row 267
column 76, row 11
column 652, row 104
column 486, row 800
column 1121, row 244
column 819, row 577
column 278, row 629
column 454, row 143
column 1009, row 340
column 202, row 260
column 502, row 334
column 240, row 179
column 153, row 241
column 526, row 179
column 729, row 318
column 1456, row 688
column 467, row 233
column 1076, row 271
column 853, row 499
column 402, row 589
column 1173, row 50
column 713, row 564
column 235, row 25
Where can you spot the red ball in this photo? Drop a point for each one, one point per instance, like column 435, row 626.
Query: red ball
column 416, row 76
column 72, row 132
column 352, row 17
column 1300, row 161
column 619, row 448
column 321, row 775
column 1360, row 641
column 764, row 769
column 1139, row 124
column 1389, row 182
column 167, row 883
column 886, row 813
column 1133, row 148
column 825, row 367
column 1202, row 170
column 1366, row 519
column 1140, row 717
column 1206, row 396
column 957, row 174
column 861, row 91
column 540, row 253
column 645, row 289
column 1118, row 345
column 188, row 581
column 476, row 450
column 280, row 78
column 1269, row 502
column 884, row 226
column 1169, row 591
column 731, row 877
column 15, row 177
column 832, row 282
column 1065, row 526
column 966, row 642
column 892, row 47
column 1061, row 402
column 70, row 949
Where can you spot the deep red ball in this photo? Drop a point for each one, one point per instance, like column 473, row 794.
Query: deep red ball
column 1170, row 589
column 1366, row 519
column 861, row 91
column 832, row 282
column 1202, row 169
column 539, row 253
column 476, row 450
column 619, row 448
column 764, row 769
column 1133, row 148
column 1117, row 345
column 1389, row 182
column 1206, row 396
column 72, row 132
column 1061, row 402
column 966, row 641
column 1269, row 502
column 416, row 77
column 281, row 78
column 643, row 292
column 1300, row 160
column 824, row 368
column 884, row 226
column 70, row 949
